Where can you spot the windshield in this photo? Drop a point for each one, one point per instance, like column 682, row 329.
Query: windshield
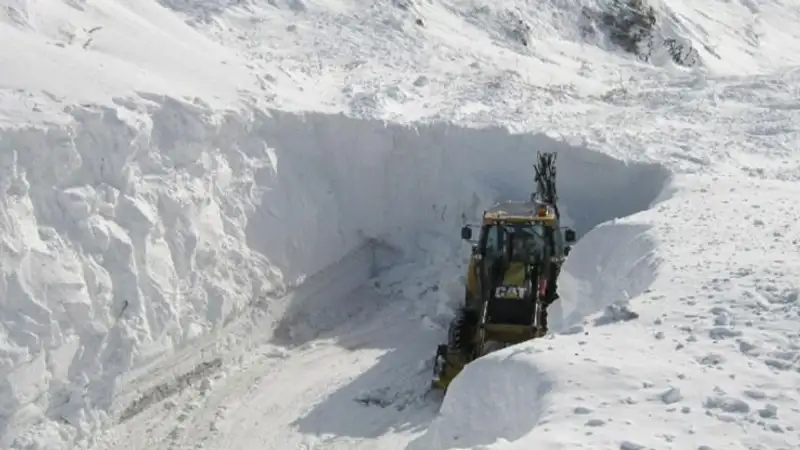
column 525, row 241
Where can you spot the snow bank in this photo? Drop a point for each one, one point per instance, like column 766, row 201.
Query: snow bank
column 612, row 264
column 704, row 355
column 474, row 421
column 136, row 229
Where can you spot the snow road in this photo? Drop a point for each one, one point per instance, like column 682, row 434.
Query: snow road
column 364, row 387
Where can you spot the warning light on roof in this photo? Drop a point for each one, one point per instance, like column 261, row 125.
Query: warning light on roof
column 542, row 211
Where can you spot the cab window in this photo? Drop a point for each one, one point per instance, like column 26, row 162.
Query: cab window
column 492, row 244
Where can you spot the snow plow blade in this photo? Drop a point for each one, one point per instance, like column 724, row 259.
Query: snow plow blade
column 511, row 334
column 446, row 366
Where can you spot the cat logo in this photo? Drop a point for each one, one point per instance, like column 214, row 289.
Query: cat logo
column 510, row 291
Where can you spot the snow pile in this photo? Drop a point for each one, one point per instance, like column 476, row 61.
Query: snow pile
column 704, row 352
column 501, row 375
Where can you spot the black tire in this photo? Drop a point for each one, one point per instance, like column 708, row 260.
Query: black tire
column 461, row 335
column 470, row 303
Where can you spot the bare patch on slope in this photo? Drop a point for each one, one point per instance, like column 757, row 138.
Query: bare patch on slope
column 167, row 389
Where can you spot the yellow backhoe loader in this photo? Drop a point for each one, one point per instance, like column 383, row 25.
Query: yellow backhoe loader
column 511, row 276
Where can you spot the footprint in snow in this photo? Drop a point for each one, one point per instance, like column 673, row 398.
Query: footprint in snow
column 711, row 359
column 769, row 411
column 595, row 423
column 671, row 395
column 755, row 394
column 727, row 404
column 720, row 333
column 722, row 316
column 748, row 348
column 582, row 410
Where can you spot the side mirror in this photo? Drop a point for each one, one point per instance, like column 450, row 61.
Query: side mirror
column 569, row 235
column 466, row 233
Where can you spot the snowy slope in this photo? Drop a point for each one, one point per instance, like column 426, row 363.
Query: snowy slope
column 189, row 261
column 706, row 355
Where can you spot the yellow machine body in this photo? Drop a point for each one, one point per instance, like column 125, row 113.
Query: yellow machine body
column 449, row 363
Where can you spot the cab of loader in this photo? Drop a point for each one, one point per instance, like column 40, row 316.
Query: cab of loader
column 517, row 253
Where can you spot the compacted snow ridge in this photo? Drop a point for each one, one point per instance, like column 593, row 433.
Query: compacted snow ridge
column 235, row 225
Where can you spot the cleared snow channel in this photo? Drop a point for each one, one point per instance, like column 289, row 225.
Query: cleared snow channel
column 180, row 221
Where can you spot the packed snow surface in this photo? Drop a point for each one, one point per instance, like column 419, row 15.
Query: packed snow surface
column 234, row 225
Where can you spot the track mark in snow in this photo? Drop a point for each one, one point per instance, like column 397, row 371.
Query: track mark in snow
column 200, row 374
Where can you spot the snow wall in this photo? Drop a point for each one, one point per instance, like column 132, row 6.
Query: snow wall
column 138, row 228
column 519, row 385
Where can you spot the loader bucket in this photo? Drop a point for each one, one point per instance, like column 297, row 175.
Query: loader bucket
column 446, row 366
column 509, row 334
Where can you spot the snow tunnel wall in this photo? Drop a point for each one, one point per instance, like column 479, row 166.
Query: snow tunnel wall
column 135, row 229
column 345, row 180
